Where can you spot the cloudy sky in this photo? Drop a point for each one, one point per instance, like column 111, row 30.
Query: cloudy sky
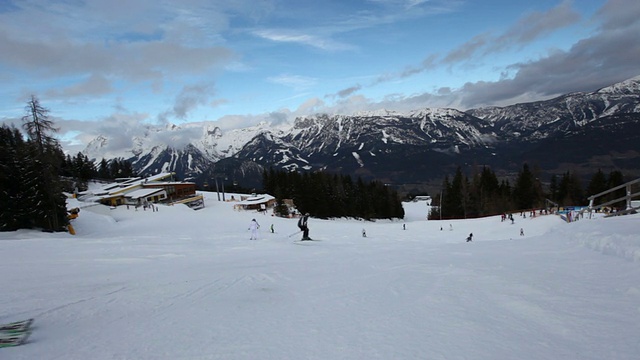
column 105, row 66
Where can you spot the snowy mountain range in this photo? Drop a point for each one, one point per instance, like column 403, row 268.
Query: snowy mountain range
column 579, row 132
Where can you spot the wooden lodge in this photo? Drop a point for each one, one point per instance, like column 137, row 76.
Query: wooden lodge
column 143, row 191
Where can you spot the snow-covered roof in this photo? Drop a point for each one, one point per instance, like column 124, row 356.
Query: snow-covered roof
column 255, row 200
column 129, row 185
column 169, row 183
column 142, row 193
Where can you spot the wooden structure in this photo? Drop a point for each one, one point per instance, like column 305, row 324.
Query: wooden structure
column 141, row 191
column 255, row 202
column 629, row 208
column 174, row 190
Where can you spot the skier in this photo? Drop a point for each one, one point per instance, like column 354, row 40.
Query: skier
column 470, row 237
column 521, row 232
column 254, row 226
column 364, row 233
column 302, row 224
column 272, row 231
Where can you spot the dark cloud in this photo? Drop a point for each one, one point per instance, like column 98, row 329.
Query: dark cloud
column 93, row 85
column 191, row 97
column 467, row 50
column 616, row 14
column 348, row 91
column 138, row 61
column 536, row 25
column 524, row 31
column 607, row 57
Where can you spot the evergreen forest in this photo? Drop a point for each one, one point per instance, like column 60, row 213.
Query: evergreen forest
column 484, row 195
column 325, row 195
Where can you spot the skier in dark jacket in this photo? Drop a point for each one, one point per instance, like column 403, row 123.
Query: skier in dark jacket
column 302, row 224
column 470, row 237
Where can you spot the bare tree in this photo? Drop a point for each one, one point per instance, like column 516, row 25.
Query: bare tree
column 37, row 124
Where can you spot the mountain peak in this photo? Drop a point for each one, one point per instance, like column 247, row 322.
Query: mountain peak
column 627, row 87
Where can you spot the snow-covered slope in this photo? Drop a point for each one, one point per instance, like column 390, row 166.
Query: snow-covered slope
column 184, row 284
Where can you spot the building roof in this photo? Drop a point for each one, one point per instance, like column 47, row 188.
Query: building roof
column 125, row 186
column 164, row 183
column 256, row 200
column 143, row 193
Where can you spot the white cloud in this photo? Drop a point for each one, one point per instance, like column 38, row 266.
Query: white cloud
column 296, row 82
column 294, row 36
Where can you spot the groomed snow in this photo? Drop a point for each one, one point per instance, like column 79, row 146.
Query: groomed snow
column 185, row 284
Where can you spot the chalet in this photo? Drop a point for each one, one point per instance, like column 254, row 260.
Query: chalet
column 173, row 190
column 144, row 196
column 426, row 198
column 255, row 202
column 140, row 191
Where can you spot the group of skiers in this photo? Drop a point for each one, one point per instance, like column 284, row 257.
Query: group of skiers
column 304, row 229
column 302, row 225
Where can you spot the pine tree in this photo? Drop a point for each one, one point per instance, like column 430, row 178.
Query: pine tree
column 444, row 199
column 553, row 189
column 489, row 193
column 597, row 184
column 570, row 190
column 45, row 198
column 456, row 196
column 527, row 192
column 12, row 189
column 615, row 179
column 103, row 169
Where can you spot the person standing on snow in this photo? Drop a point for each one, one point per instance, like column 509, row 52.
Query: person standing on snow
column 254, row 226
column 302, row 224
column 470, row 237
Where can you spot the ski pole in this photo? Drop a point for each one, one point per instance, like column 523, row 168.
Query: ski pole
column 297, row 232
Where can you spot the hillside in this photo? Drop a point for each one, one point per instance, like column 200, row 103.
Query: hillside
column 184, row 284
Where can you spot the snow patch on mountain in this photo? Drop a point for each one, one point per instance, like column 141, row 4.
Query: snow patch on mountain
column 358, row 158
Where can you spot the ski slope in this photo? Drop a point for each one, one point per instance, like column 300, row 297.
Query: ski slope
column 185, row 284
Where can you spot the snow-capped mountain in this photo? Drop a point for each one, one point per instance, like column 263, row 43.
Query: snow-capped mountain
column 538, row 120
column 417, row 146
column 189, row 149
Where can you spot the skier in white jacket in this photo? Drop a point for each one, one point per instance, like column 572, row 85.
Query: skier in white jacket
column 254, row 226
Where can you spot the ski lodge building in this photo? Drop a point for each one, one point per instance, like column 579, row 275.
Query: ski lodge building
column 144, row 191
column 260, row 202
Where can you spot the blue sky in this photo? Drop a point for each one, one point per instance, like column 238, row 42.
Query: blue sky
column 104, row 65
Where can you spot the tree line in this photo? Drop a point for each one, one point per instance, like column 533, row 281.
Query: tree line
column 30, row 186
column 325, row 195
column 483, row 194
column 80, row 169
column 34, row 173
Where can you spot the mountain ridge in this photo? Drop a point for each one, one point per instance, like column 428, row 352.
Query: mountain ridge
column 420, row 145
